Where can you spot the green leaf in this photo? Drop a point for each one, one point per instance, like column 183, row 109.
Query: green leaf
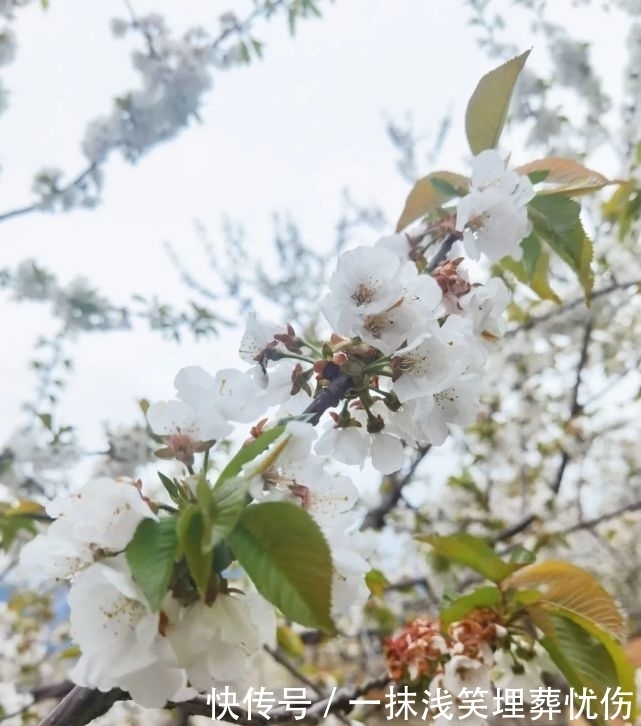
column 10, row 528
column 537, row 176
column 171, row 488
column 249, row 452
column 556, row 220
column 560, row 214
column 376, row 582
column 531, row 247
column 192, row 533
column 290, row 641
column 472, row 552
column 444, row 187
column 151, row 556
column 223, row 557
column 522, row 555
column 587, row 658
column 46, row 420
column 623, row 207
column 564, row 662
column 487, row 108
column 204, row 496
column 285, row 553
column 533, row 269
column 485, row 597
column 429, row 193
column 229, row 498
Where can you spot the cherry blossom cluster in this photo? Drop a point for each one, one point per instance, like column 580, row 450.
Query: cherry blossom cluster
column 475, row 655
column 123, row 642
column 401, row 363
column 288, row 471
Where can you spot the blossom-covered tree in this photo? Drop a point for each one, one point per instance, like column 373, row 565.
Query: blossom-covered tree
column 186, row 582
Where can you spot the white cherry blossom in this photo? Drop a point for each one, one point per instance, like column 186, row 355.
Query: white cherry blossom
column 435, row 361
column 396, row 243
column 56, row 554
column 379, row 298
column 485, row 306
column 100, row 517
column 119, row 637
column 493, row 216
column 258, row 336
column 354, row 444
column 366, row 283
column 207, row 404
column 214, row 642
column 426, row 419
column 298, row 476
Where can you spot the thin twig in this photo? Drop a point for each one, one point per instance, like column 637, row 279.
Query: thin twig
column 537, row 320
column 375, row 518
column 292, row 670
column 575, row 407
column 596, row 521
column 329, row 397
column 42, row 205
column 443, row 251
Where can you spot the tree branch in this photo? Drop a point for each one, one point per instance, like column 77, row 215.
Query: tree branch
column 575, row 407
column 375, row 518
column 559, row 310
column 329, row 397
column 82, row 705
column 443, row 251
column 596, row 521
column 41, row 206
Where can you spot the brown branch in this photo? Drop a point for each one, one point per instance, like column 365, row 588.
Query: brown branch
column 537, row 320
column 292, row 670
column 82, row 705
column 443, row 251
column 596, row 521
column 575, row 407
column 375, row 518
column 515, row 529
column 42, row 205
column 329, row 397
column 55, row 690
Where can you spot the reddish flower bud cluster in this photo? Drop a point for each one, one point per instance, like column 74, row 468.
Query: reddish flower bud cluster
column 422, row 648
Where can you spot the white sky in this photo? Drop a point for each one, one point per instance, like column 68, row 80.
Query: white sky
column 286, row 134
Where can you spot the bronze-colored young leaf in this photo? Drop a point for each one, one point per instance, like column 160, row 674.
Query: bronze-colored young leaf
column 487, row 108
column 571, row 589
column 427, row 196
column 570, row 176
